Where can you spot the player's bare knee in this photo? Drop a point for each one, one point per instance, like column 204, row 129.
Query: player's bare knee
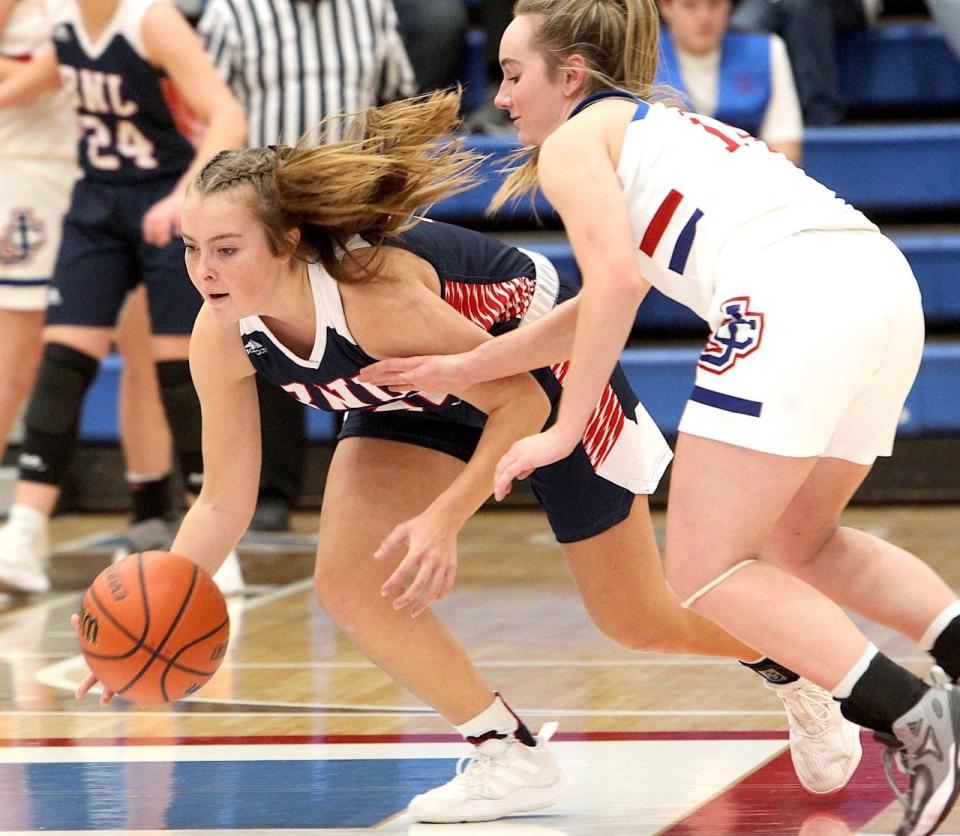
column 795, row 550
column 334, row 593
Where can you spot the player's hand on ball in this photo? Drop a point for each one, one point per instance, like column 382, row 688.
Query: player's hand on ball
column 106, row 695
column 431, row 556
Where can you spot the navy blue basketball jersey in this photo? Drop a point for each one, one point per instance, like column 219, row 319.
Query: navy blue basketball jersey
column 127, row 129
column 495, row 286
column 492, row 284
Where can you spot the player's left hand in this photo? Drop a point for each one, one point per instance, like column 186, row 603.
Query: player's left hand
column 162, row 220
column 431, row 545
column 106, row 695
column 529, row 453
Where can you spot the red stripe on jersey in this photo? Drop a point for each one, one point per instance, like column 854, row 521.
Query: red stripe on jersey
column 659, row 223
column 604, row 427
column 560, row 371
column 487, row 304
column 605, row 424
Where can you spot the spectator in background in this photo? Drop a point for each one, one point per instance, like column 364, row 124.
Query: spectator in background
column 291, row 63
column 741, row 78
column 810, row 28
column 433, row 32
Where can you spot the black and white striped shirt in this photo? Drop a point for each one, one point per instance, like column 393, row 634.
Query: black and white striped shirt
column 293, row 62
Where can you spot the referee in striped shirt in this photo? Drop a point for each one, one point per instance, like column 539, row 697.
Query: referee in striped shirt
column 291, row 63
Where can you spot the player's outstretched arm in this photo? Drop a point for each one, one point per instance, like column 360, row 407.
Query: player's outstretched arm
column 231, row 444
column 536, row 345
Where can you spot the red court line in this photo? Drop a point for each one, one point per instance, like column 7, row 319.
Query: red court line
column 300, row 740
column 770, row 800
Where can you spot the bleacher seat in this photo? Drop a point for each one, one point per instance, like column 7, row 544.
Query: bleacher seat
column 898, row 65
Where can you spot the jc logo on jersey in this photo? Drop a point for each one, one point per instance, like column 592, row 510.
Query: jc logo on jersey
column 738, row 335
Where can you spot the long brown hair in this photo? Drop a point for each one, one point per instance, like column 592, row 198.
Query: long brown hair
column 400, row 159
column 619, row 41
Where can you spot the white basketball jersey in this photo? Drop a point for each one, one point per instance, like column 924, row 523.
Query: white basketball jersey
column 45, row 128
column 697, row 189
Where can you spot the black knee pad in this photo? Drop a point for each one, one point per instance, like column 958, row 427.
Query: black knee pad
column 53, row 413
column 182, row 406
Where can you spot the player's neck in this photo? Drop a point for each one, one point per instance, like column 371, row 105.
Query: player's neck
column 96, row 16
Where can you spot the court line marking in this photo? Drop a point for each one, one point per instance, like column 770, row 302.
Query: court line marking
column 432, row 750
column 327, row 710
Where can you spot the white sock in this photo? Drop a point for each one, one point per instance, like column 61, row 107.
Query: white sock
column 844, row 687
column 932, row 633
column 140, row 478
column 495, row 717
column 28, row 518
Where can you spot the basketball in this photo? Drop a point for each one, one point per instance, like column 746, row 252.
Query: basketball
column 153, row 627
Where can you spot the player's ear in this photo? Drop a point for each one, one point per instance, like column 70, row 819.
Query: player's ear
column 291, row 238
column 574, row 74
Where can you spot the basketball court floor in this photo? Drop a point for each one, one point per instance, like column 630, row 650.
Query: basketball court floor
column 298, row 733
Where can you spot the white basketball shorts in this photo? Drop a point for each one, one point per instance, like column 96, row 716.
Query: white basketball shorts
column 817, row 341
column 34, row 196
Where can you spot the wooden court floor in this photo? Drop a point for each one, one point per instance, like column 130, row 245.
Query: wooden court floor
column 298, row 733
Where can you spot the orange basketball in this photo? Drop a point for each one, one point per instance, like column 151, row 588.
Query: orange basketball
column 153, row 627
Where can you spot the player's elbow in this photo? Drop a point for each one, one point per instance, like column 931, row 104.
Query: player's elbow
column 629, row 287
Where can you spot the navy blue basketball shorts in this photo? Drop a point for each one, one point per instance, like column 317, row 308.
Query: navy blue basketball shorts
column 585, row 494
column 103, row 257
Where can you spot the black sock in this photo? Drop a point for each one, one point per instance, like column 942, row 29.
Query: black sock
column 151, row 499
column 946, row 649
column 883, row 694
column 773, row 672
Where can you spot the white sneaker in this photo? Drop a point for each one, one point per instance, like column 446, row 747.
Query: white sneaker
column 229, row 577
column 24, row 553
column 824, row 745
column 500, row 778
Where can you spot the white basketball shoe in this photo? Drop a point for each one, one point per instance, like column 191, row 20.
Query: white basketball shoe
column 24, row 553
column 500, row 778
column 824, row 746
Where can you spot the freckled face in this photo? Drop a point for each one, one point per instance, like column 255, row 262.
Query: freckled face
column 227, row 255
column 536, row 103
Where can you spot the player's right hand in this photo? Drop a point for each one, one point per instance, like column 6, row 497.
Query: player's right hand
column 106, row 695
column 438, row 374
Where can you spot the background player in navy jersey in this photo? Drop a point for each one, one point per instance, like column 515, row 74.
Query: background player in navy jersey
column 311, row 266
column 113, row 57
column 795, row 396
